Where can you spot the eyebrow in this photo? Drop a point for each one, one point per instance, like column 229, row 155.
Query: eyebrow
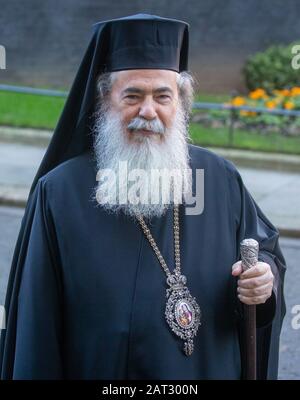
column 133, row 89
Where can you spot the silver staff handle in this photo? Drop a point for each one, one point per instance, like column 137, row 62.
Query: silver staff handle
column 249, row 253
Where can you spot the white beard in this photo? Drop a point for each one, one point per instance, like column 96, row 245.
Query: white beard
column 113, row 144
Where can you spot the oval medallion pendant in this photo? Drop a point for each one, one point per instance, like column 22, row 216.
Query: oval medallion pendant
column 182, row 311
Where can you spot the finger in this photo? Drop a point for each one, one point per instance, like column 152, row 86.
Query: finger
column 259, row 291
column 255, row 282
column 237, row 268
column 253, row 300
column 259, row 269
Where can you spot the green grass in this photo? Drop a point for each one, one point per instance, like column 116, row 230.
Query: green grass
column 24, row 110
column 219, row 137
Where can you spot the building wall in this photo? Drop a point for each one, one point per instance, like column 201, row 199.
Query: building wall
column 45, row 40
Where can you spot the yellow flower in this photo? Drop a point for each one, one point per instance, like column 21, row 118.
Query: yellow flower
column 271, row 104
column 238, row 101
column 289, row 105
column 257, row 94
column 285, row 92
column 295, row 91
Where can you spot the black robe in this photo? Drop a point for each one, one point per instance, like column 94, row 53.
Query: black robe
column 87, row 295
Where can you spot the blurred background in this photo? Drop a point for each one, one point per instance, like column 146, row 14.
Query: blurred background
column 245, row 57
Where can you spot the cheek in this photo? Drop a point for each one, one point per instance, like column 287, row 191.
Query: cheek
column 129, row 114
column 167, row 116
column 125, row 111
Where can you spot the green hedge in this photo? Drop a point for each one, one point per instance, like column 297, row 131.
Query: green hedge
column 272, row 69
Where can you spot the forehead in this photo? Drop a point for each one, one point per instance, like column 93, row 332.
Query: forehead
column 145, row 79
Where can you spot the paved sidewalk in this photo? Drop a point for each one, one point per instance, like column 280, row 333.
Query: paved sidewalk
column 276, row 192
column 18, row 165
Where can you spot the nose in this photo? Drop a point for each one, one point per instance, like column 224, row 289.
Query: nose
column 147, row 109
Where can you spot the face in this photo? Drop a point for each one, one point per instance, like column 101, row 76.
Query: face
column 145, row 93
column 144, row 125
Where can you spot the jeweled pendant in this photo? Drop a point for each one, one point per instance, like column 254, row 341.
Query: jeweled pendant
column 182, row 311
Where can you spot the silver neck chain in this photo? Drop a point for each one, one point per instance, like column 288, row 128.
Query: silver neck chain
column 153, row 244
column 182, row 311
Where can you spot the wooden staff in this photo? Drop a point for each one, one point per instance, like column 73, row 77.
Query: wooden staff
column 249, row 255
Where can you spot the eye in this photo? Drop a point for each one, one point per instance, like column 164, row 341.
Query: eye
column 164, row 98
column 131, row 98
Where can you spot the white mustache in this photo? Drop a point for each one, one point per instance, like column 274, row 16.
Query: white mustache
column 139, row 123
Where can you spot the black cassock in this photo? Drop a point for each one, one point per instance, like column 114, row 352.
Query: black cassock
column 87, row 295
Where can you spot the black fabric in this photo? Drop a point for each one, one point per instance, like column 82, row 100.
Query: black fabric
column 88, row 297
column 149, row 42
column 68, row 315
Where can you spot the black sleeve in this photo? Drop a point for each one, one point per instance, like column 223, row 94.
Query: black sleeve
column 38, row 341
column 252, row 223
